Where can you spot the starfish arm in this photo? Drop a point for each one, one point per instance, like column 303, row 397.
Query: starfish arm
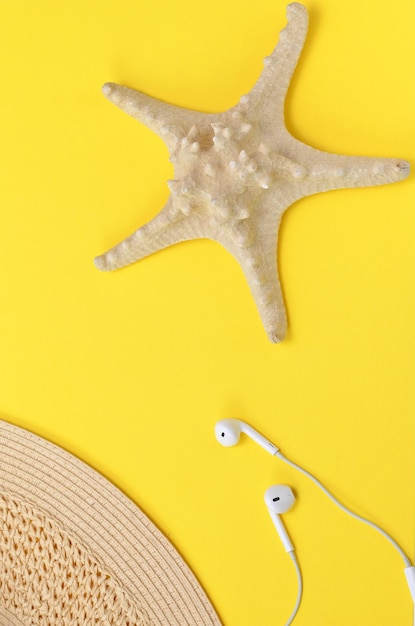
column 167, row 228
column 261, row 273
column 267, row 96
column 323, row 171
column 170, row 122
column 252, row 239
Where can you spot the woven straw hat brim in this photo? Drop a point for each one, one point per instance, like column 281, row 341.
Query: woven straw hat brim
column 118, row 538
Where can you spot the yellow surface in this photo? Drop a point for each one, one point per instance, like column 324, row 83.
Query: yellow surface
column 130, row 370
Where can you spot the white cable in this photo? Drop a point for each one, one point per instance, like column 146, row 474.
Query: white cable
column 300, row 589
column 345, row 509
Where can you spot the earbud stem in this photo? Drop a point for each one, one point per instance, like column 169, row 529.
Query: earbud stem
column 286, row 541
column 259, row 439
column 410, row 577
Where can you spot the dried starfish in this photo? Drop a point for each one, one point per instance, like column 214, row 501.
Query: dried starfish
column 236, row 173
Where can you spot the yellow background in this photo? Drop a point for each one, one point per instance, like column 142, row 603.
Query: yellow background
column 129, row 371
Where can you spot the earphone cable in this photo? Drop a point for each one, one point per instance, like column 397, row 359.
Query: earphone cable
column 344, row 508
column 300, row 589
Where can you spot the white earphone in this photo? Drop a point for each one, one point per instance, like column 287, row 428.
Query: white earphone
column 228, row 433
column 279, row 499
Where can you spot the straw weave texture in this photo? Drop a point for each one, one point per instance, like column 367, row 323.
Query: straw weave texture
column 75, row 550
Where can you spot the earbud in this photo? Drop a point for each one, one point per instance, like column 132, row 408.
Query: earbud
column 228, row 432
column 279, row 499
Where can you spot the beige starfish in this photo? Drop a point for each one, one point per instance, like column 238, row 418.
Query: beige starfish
column 236, row 173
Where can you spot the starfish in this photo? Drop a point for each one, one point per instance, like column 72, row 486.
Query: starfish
column 236, row 173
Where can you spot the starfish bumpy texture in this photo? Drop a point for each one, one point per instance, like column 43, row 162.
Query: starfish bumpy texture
column 236, row 172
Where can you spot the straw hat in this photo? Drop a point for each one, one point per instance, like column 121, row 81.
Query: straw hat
column 75, row 551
